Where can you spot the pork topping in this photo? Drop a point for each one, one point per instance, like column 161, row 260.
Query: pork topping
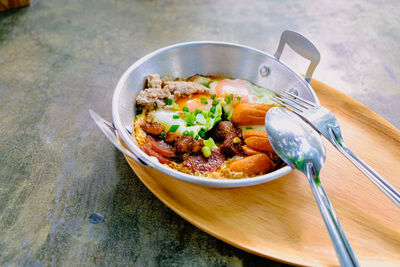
column 153, row 128
column 159, row 90
column 200, row 164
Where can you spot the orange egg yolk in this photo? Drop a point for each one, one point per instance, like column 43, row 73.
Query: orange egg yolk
column 193, row 102
column 235, row 87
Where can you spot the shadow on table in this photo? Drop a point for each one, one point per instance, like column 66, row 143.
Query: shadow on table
column 10, row 19
column 143, row 230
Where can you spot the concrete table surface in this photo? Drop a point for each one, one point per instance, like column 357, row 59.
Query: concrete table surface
column 60, row 58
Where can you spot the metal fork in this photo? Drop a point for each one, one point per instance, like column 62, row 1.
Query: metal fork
column 323, row 120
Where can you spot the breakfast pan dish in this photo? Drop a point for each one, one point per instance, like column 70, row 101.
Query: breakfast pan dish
column 206, row 58
column 277, row 220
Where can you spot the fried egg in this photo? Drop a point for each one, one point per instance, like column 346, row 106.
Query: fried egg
column 236, row 87
column 196, row 101
column 167, row 119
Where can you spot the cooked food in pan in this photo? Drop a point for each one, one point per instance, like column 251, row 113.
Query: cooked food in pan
column 206, row 125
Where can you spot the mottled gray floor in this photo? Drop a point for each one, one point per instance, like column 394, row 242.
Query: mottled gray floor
column 59, row 58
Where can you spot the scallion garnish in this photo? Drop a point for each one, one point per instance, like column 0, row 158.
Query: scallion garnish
column 217, row 120
column 213, row 96
column 227, row 99
column 202, row 132
column 210, row 143
column 175, row 116
column 206, row 151
column 198, row 111
column 191, row 133
column 189, row 116
column 236, row 140
column 213, row 109
column 186, row 132
column 186, row 109
column 188, row 124
column 204, row 101
column 197, row 137
column 162, row 135
column 175, row 106
column 169, row 101
column 239, row 98
column 249, row 128
column 215, row 102
column 173, row 128
column 206, row 85
column 231, row 96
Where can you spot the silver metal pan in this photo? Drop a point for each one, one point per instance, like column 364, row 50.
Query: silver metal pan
column 208, row 58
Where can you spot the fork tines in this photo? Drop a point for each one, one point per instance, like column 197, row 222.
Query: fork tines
column 293, row 102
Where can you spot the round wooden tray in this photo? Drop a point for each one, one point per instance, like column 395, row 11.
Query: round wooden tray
column 280, row 219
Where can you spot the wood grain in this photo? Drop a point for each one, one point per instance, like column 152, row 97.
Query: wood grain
column 280, row 220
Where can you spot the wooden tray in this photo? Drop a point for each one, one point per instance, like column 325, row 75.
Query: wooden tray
column 280, row 219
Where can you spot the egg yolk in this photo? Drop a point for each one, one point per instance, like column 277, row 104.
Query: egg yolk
column 235, row 87
column 193, row 102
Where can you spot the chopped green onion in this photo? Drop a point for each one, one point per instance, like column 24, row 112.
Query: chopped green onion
column 185, row 109
column 186, row 132
column 227, row 99
column 175, row 106
column 249, row 128
column 236, row 140
column 191, row 133
column 209, row 114
column 212, row 116
column 175, row 116
column 205, row 114
column 162, row 135
column 210, row 143
column 215, row 102
column 213, row 96
column 189, row 117
column 202, row 132
column 169, row 101
column 213, row 109
column 217, row 120
column 204, row 101
column 173, row 128
column 239, row 98
column 206, row 85
column 231, row 96
column 198, row 111
column 197, row 137
column 188, row 124
column 206, row 151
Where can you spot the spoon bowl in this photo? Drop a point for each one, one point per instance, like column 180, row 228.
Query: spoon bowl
column 295, row 142
column 301, row 147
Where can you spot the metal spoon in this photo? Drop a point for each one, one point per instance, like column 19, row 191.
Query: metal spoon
column 301, row 147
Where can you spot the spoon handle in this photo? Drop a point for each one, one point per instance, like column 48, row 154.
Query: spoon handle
column 342, row 246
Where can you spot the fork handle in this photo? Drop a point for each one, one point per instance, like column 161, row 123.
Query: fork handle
column 378, row 180
column 109, row 131
column 340, row 242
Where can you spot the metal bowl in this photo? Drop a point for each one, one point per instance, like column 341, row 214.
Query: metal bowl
column 208, row 58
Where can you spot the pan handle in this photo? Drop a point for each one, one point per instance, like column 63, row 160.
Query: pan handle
column 110, row 132
column 303, row 47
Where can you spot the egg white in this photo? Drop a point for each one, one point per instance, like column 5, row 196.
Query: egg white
column 165, row 117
